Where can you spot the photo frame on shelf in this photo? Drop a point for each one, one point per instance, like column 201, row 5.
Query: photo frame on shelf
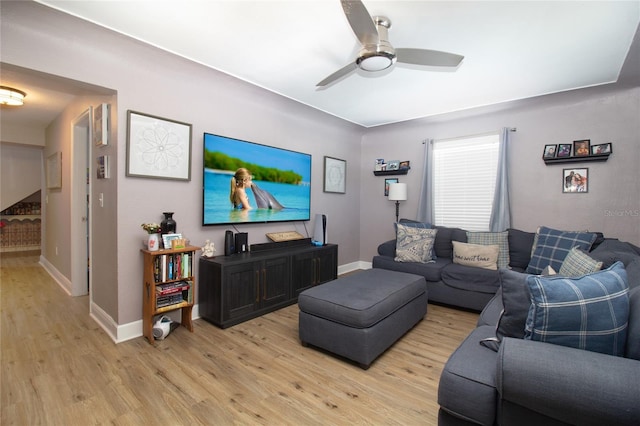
column 54, row 170
column 387, row 182
column 550, row 151
column 564, row 150
column 404, row 165
column 575, row 180
column 167, row 238
column 603, row 148
column 335, row 175
column 158, row 147
column 581, row 148
column 393, row 165
column 101, row 125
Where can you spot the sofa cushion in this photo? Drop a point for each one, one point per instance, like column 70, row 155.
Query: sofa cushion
column 589, row 312
column 479, row 256
column 553, row 246
column 501, row 239
column 470, row 278
column 610, row 251
column 578, row 263
column 515, row 308
column 415, row 223
column 467, row 386
column 430, row 271
column 414, row 244
column 443, row 246
column 520, row 247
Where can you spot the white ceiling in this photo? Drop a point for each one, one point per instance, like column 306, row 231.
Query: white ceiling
column 513, row 49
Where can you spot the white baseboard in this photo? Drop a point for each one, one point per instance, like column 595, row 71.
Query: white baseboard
column 57, row 276
column 354, row 266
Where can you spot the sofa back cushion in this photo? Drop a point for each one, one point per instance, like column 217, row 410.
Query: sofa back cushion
column 520, row 245
column 589, row 312
column 612, row 250
column 443, row 246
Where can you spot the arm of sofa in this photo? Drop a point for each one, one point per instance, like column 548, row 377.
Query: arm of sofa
column 388, row 248
column 572, row 385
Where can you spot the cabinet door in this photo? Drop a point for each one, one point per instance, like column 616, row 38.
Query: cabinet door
column 327, row 264
column 241, row 289
column 274, row 281
column 303, row 272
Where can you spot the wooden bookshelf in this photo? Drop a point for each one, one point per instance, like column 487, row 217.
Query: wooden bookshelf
column 168, row 284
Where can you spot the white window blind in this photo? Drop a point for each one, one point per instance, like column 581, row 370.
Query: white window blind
column 464, row 179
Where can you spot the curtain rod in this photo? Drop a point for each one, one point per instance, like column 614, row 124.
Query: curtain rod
column 511, row 129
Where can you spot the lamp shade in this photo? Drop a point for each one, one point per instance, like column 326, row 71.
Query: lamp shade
column 398, row 192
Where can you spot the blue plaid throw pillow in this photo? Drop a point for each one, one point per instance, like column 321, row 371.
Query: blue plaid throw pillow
column 553, row 246
column 590, row 312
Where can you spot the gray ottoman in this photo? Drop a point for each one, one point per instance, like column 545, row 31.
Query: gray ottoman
column 359, row 316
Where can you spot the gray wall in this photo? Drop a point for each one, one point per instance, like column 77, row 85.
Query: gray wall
column 605, row 114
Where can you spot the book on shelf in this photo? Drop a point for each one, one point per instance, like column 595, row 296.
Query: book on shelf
column 172, row 287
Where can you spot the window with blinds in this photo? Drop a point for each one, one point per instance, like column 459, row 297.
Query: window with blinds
column 464, row 179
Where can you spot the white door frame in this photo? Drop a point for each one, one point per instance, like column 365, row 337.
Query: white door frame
column 80, row 205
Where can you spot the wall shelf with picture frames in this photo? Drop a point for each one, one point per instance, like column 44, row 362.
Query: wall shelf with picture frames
column 577, row 152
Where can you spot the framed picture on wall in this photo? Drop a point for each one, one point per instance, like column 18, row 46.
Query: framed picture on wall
column 158, row 147
column 550, row 151
column 564, row 150
column 335, row 175
column 581, row 148
column 575, row 180
column 388, row 182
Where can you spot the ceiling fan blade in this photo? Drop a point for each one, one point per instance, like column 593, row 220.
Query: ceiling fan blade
column 338, row 74
column 432, row 58
column 360, row 21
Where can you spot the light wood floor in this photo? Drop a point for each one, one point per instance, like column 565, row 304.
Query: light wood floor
column 59, row 368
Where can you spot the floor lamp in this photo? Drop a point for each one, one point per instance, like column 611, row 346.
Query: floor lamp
column 397, row 193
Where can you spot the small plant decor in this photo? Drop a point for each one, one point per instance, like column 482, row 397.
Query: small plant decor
column 151, row 228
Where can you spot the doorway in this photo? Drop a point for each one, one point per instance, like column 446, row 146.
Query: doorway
column 80, row 206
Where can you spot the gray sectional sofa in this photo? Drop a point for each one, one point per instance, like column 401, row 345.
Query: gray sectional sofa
column 530, row 382
column 499, row 376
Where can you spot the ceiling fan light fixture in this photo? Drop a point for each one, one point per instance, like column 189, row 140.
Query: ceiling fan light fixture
column 11, row 97
column 376, row 61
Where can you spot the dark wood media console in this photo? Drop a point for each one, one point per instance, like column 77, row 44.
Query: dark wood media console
column 237, row 288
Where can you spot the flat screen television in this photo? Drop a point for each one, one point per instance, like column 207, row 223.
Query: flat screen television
column 281, row 182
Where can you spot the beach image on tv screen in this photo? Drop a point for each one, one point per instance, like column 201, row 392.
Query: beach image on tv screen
column 281, row 178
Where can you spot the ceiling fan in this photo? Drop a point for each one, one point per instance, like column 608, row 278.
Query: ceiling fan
column 377, row 53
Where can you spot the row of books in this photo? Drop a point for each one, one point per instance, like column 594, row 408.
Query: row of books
column 172, row 266
column 173, row 293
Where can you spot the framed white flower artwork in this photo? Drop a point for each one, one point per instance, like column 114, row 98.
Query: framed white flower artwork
column 158, row 147
column 335, row 175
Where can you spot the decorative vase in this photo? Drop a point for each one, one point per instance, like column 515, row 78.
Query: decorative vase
column 168, row 225
column 153, row 244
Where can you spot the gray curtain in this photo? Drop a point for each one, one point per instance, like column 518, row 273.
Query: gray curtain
column 425, row 203
column 501, row 209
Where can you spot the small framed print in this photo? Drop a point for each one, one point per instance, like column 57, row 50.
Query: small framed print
column 603, row 148
column 393, row 165
column 101, row 125
column 564, row 150
column 550, row 151
column 581, row 148
column 335, row 175
column 102, row 170
column 575, row 180
column 388, row 182
column 404, row 165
